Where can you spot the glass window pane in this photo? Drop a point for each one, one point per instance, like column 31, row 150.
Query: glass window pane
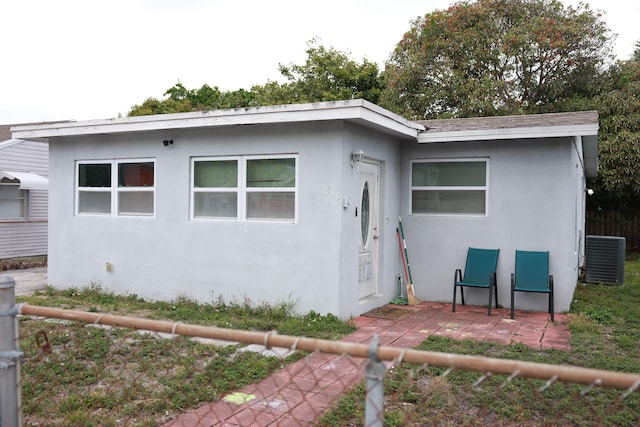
column 94, row 202
column 454, row 201
column 135, row 203
column 364, row 214
column 217, row 173
column 94, row 175
column 12, row 202
column 271, row 173
column 449, row 174
column 271, row 205
column 138, row 174
column 215, row 205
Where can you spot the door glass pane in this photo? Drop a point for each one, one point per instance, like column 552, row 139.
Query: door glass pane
column 94, row 202
column 271, row 173
column 364, row 214
column 216, row 205
column 94, row 175
column 222, row 173
column 271, row 205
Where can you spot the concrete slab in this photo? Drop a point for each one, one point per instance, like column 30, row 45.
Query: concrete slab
column 28, row 280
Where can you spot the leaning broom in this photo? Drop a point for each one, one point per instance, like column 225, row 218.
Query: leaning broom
column 411, row 296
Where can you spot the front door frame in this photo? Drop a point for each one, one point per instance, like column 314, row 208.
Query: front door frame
column 369, row 233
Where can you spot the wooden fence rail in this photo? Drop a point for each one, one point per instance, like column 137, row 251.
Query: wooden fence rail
column 615, row 224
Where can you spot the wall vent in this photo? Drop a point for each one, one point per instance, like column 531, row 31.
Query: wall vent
column 605, row 259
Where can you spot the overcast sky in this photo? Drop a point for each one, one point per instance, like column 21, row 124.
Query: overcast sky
column 80, row 60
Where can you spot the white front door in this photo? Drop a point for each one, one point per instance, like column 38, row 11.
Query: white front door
column 367, row 213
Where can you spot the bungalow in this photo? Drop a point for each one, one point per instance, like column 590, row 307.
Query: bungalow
column 299, row 204
column 24, row 168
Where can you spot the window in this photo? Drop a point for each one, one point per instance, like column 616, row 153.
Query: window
column 98, row 194
column 449, row 187
column 244, row 188
column 13, row 200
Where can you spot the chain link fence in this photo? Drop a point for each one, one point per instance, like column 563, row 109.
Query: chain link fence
column 86, row 368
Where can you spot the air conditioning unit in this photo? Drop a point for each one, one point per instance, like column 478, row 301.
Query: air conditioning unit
column 604, row 259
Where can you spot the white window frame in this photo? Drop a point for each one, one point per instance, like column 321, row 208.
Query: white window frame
column 242, row 189
column 484, row 188
column 23, row 195
column 114, row 189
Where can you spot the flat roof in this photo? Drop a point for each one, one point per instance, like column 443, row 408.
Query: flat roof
column 357, row 111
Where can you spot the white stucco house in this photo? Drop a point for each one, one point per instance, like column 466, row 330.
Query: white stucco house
column 300, row 203
column 24, row 167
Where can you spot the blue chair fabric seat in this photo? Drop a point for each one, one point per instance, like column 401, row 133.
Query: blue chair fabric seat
column 479, row 272
column 532, row 275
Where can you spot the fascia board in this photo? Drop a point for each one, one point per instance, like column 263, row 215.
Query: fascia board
column 509, row 133
column 359, row 111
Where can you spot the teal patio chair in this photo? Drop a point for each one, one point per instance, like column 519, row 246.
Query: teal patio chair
column 479, row 272
column 532, row 275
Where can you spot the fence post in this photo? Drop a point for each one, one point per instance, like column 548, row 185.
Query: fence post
column 375, row 370
column 10, row 355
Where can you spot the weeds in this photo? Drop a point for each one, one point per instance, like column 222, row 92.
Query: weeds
column 96, row 376
column 605, row 334
column 108, row 377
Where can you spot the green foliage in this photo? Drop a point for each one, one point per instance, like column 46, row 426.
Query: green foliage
column 491, row 57
column 181, row 100
column 327, row 75
column 618, row 184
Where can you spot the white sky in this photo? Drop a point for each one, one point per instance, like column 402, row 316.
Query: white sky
column 80, row 59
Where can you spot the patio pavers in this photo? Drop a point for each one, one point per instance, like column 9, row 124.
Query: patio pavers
column 300, row 392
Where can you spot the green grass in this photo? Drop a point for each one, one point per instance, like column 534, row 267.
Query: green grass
column 95, row 376
column 605, row 334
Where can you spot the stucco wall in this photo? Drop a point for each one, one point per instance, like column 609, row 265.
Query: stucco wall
column 531, row 206
column 312, row 263
column 168, row 256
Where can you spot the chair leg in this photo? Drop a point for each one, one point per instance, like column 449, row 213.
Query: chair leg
column 462, row 294
column 455, row 288
column 551, row 307
column 512, row 295
column 490, row 298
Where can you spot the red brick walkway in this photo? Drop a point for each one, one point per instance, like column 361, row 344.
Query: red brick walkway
column 297, row 394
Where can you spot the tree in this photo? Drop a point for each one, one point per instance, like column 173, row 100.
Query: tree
column 636, row 52
column 495, row 57
column 327, row 75
column 618, row 184
column 180, row 100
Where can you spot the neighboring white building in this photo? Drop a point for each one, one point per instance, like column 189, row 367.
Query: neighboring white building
column 300, row 203
column 24, row 168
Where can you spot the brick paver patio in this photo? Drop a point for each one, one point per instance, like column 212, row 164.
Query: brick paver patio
column 298, row 393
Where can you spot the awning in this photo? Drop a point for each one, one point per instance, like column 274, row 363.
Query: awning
column 28, row 181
